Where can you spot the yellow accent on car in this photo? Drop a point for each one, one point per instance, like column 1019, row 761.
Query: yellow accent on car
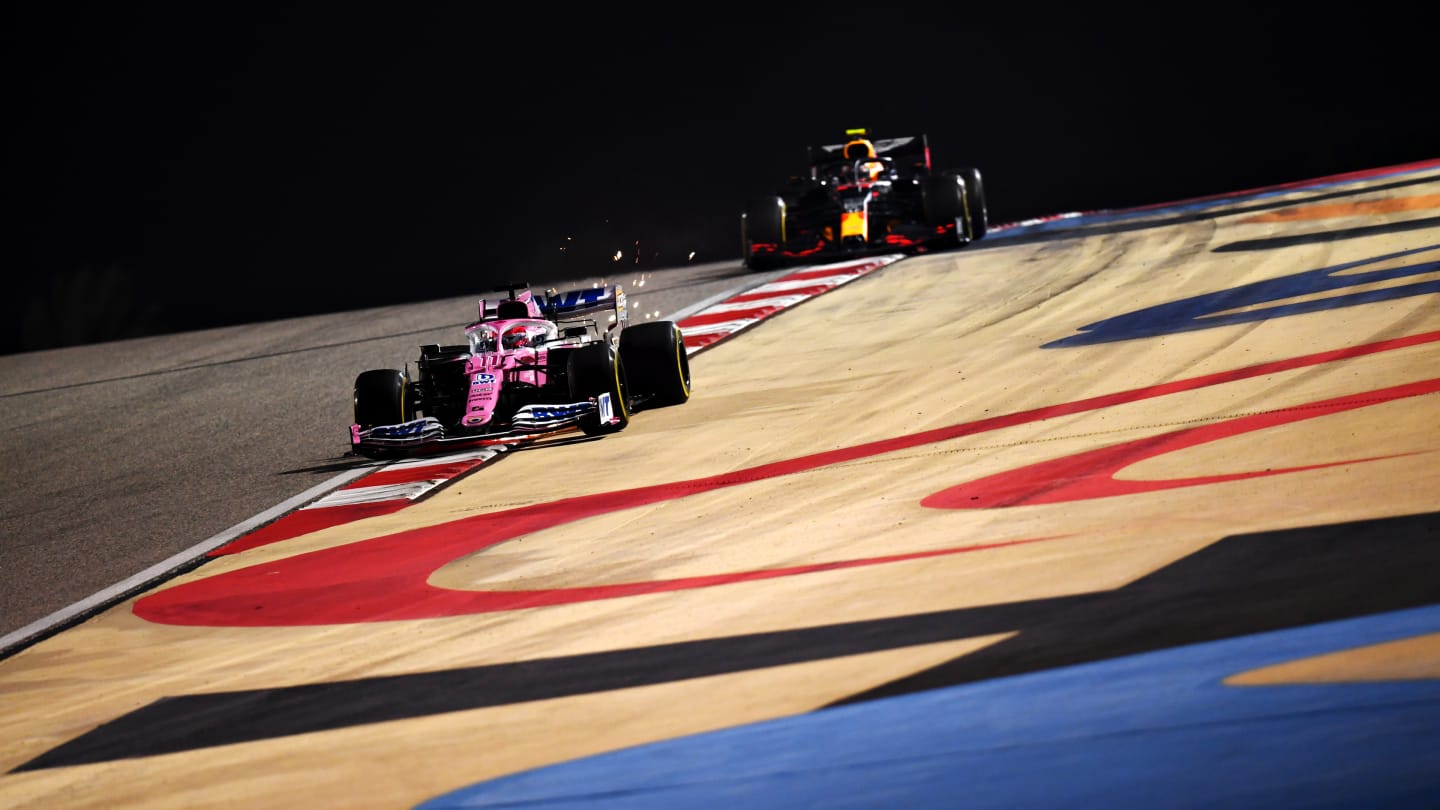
column 852, row 223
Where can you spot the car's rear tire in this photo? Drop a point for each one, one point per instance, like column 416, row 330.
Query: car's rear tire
column 597, row 371
column 657, row 367
column 380, row 398
column 976, row 210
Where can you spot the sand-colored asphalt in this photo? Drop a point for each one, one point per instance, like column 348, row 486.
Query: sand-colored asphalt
column 882, row 366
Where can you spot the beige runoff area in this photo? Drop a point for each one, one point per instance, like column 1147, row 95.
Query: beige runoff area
column 924, row 343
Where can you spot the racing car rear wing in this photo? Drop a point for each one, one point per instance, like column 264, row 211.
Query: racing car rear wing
column 601, row 309
column 911, row 153
column 596, row 311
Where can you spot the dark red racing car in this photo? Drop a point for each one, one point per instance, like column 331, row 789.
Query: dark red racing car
column 862, row 197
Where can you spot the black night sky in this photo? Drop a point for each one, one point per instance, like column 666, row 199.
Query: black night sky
column 175, row 166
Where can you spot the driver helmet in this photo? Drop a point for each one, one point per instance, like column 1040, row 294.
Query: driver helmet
column 859, row 148
column 861, row 152
column 514, row 338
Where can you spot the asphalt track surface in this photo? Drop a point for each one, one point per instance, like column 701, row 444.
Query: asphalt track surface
column 123, row 457
column 1116, row 509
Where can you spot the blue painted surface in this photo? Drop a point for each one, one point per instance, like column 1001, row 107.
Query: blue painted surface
column 1211, row 310
column 1205, row 311
column 1159, row 730
column 1090, row 218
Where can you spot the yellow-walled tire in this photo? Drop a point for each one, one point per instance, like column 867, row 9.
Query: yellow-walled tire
column 657, row 367
column 596, row 371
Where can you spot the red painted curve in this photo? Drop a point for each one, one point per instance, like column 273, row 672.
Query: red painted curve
column 385, row 578
column 1091, row 474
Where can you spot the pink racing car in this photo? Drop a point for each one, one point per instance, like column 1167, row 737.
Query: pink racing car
column 531, row 366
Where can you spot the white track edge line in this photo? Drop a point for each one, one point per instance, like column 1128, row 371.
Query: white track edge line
column 759, row 279
column 119, row 589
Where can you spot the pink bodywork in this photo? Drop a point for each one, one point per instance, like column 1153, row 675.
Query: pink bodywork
column 504, row 351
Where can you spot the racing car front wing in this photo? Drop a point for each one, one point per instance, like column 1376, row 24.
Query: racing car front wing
column 529, row 422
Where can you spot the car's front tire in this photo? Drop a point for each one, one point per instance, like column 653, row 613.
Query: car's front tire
column 944, row 202
column 657, row 367
column 976, row 211
column 763, row 223
column 764, row 220
column 380, row 398
column 596, row 371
